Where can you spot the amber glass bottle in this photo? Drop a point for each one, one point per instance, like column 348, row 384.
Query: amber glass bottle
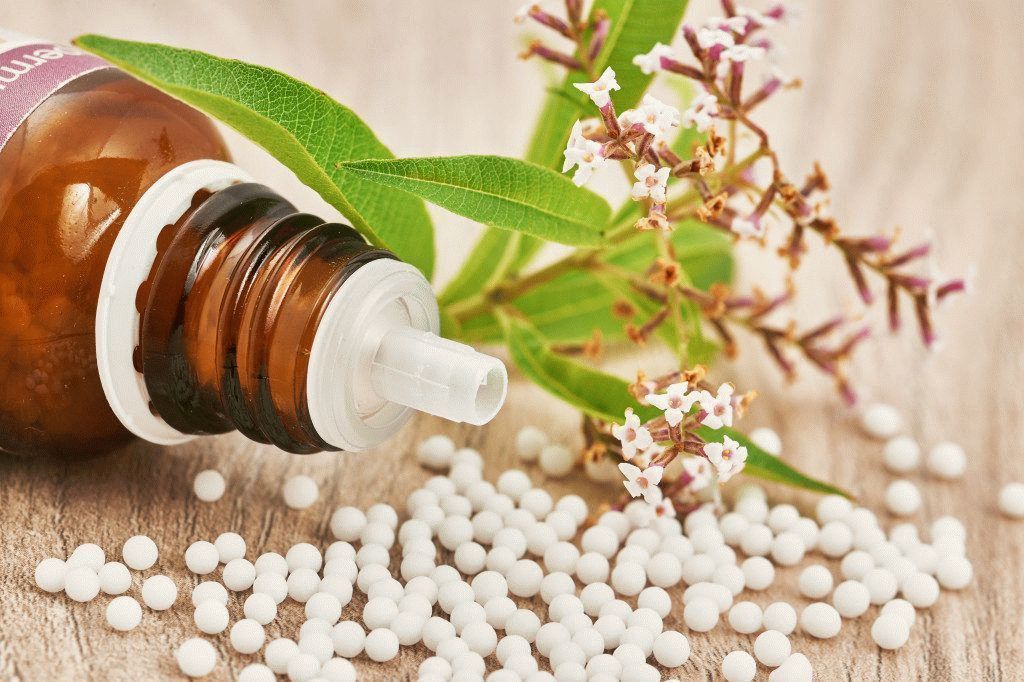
column 69, row 177
column 242, row 313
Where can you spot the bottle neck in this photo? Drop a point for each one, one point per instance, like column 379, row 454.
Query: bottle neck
column 294, row 331
column 231, row 310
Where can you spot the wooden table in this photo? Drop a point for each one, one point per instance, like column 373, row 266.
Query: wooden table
column 913, row 107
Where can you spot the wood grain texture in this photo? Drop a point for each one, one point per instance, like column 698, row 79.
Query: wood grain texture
column 914, row 108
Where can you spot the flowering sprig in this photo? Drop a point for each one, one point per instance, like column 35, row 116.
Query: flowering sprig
column 723, row 171
column 637, row 137
column 647, row 450
column 724, row 49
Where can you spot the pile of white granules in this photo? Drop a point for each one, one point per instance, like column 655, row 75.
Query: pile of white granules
column 464, row 570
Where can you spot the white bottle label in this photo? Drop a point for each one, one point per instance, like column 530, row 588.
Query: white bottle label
column 32, row 70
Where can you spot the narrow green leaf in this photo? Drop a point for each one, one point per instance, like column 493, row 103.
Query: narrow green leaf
column 636, row 25
column 482, row 267
column 766, row 467
column 300, row 125
column 606, row 397
column 497, row 191
column 569, row 308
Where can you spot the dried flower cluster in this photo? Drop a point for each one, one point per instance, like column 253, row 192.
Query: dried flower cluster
column 721, row 189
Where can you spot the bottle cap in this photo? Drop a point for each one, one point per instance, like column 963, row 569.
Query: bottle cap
column 377, row 356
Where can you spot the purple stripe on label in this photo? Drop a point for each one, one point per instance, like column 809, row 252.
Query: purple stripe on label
column 31, row 73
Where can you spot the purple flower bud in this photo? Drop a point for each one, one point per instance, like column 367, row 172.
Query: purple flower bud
column 919, row 251
column 851, row 342
column 893, row 297
column 598, row 38
column 549, row 20
column 823, row 329
column 669, row 64
column 847, row 392
column 914, row 283
column 764, row 92
column 690, row 35
column 873, row 244
column 555, row 56
column 778, row 12
column 859, row 280
column 924, row 320
column 953, row 286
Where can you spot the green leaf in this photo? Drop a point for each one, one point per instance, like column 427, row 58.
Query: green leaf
column 300, row 125
column 636, row 25
column 766, row 467
column 606, row 397
column 497, row 191
column 481, row 269
column 569, row 308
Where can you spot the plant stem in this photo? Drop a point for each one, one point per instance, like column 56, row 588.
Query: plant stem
column 511, row 289
column 675, row 310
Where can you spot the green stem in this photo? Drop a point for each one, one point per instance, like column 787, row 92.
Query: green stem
column 511, row 289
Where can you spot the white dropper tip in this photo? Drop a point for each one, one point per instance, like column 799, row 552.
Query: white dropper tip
column 377, row 357
column 426, row 372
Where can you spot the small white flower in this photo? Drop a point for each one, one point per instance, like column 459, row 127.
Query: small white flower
column 583, row 153
column 600, row 90
column 676, row 402
column 699, row 471
column 652, row 452
column 728, row 458
column 665, row 508
column 702, row 111
column 651, row 182
column 711, row 36
column 743, row 53
column 642, row 482
column 718, row 407
column 634, row 437
column 745, row 227
column 651, row 61
column 657, row 117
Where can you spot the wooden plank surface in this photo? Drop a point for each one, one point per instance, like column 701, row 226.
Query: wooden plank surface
column 913, row 107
